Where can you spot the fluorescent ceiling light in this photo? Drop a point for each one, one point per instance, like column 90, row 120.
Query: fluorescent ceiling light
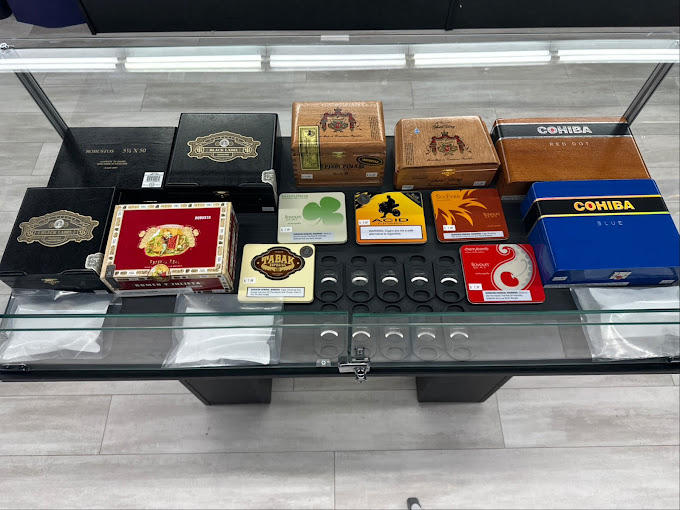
column 620, row 55
column 482, row 58
column 338, row 61
column 195, row 63
column 59, row 64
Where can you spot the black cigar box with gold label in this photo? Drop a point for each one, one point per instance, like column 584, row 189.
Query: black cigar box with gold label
column 133, row 159
column 231, row 157
column 58, row 239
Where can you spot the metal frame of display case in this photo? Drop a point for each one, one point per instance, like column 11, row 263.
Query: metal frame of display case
column 469, row 381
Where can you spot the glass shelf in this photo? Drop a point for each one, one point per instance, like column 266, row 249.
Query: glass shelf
column 110, row 82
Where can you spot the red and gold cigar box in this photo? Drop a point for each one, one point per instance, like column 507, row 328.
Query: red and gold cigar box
column 468, row 215
column 338, row 144
column 564, row 149
column 443, row 152
column 171, row 248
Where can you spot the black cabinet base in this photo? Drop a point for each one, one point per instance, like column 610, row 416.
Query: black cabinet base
column 458, row 388
column 229, row 390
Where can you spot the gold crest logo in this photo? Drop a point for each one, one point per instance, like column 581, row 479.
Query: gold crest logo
column 57, row 228
column 223, row 147
column 167, row 240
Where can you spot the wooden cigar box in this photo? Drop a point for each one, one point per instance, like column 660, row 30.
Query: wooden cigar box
column 338, row 143
column 564, row 149
column 443, row 153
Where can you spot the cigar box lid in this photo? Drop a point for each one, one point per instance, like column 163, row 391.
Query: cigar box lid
column 129, row 158
column 576, row 147
column 277, row 273
column 59, row 230
column 318, row 218
column 156, row 240
column 333, row 124
column 224, row 150
column 444, row 142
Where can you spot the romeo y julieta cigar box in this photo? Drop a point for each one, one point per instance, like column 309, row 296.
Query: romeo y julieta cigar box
column 564, row 149
column 443, row 152
column 171, row 248
column 338, row 143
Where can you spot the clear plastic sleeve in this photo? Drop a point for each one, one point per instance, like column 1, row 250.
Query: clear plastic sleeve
column 617, row 336
column 44, row 338
column 245, row 335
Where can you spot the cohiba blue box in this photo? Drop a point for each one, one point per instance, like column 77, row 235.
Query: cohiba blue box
column 606, row 232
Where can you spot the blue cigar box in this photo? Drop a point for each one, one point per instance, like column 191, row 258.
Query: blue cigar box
column 605, row 232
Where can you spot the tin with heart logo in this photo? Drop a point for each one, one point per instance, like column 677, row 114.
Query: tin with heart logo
column 501, row 273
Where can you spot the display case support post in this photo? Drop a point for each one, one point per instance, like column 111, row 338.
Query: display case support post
column 459, row 388
column 230, row 390
column 645, row 93
column 31, row 85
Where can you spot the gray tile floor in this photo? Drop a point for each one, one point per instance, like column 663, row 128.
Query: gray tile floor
column 540, row 442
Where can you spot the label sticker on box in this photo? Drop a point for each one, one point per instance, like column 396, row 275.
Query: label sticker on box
column 391, row 232
column 489, row 234
column 407, row 187
column 501, row 273
column 371, row 175
column 153, row 180
column 306, row 176
column 479, row 183
column 276, row 292
column 313, row 237
column 506, row 295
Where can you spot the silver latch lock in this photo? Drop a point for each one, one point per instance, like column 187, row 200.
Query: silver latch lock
column 359, row 364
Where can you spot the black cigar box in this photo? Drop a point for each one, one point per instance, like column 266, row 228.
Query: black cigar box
column 58, row 239
column 133, row 159
column 230, row 157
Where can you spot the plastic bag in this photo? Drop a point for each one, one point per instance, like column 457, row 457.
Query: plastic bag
column 48, row 340
column 617, row 341
column 226, row 340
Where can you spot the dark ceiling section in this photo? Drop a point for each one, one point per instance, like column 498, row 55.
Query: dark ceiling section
column 105, row 16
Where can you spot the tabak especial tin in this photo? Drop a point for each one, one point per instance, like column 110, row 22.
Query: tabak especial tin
column 390, row 218
column 277, row 273
column 501, row 273
column 171, row 248
column 468, row 215
column 318, row 218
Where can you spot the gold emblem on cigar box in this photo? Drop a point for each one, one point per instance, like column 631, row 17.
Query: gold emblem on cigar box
column 223, row 147
column 57, row 228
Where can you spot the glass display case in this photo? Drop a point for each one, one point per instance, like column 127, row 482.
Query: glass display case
column 457, row 351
